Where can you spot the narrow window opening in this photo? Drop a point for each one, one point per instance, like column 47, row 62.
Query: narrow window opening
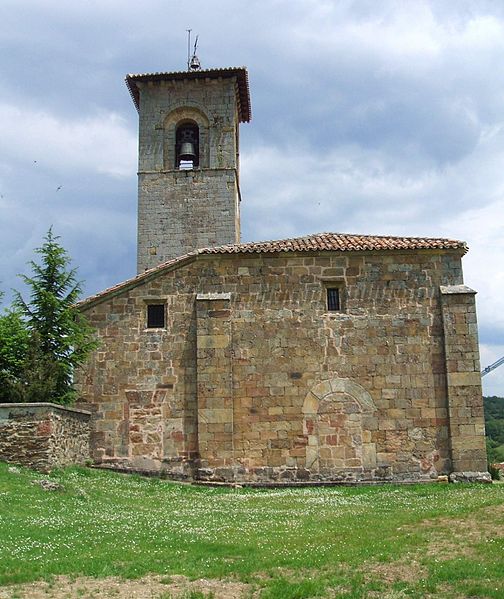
column 187, row 147
column 333, row 299
column 155, row 316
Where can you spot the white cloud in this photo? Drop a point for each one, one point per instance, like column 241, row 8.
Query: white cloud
column 482, row 228
column 100, row 143
column 369, row 190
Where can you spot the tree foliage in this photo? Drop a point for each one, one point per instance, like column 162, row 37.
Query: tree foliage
column 55, row 337
column 494, row 424
column 14, row 340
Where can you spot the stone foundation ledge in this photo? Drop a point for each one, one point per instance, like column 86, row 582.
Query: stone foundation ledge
column 185, row 471
column 470, row 477
column 263, row 484
column 176, row 470
column 297, row 476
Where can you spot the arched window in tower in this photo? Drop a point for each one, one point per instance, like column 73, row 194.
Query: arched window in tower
column 187, row 146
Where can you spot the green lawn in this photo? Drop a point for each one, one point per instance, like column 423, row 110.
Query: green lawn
column 389, row 541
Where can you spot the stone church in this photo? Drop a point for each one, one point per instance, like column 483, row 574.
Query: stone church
column 330, row 357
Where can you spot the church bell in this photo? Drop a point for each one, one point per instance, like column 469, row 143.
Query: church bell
column 187, row 151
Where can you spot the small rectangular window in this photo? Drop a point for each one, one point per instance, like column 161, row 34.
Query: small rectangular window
column 155, row 316
column 333, row 299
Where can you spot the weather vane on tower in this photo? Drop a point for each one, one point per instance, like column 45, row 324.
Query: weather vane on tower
column 193, row 62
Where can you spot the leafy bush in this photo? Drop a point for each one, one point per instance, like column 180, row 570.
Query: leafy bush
column 494, row 471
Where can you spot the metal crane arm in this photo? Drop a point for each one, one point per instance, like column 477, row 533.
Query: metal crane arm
column 492, row 366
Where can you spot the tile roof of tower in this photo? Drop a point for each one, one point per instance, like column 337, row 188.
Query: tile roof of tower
column 320, row 242
column 243, row 93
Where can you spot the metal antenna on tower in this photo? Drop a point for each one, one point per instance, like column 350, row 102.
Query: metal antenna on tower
column 188, row 48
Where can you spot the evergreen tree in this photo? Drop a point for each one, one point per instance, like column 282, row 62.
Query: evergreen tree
column 60, row 337
column 14, row 339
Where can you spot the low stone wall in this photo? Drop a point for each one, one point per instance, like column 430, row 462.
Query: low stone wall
column 43, row 436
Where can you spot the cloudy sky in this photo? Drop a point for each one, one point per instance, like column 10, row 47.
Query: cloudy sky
column 368, row 117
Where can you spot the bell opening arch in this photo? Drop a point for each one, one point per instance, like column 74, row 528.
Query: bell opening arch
column 187, row 145
column 185, row 139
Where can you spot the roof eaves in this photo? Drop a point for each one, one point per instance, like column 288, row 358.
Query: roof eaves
column 140, row 279
column 343, row 243
column 241, row 73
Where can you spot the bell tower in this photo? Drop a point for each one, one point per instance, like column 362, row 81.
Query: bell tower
column 188, row 164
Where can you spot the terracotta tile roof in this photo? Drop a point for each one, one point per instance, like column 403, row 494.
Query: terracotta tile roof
column 319, row 242
column 243, row 97
column 339, row 242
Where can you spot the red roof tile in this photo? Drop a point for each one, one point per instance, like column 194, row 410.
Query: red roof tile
column 243, row 95
column 319, row 242
column 339, row 242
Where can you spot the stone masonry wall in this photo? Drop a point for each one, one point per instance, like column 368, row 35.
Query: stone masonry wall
column 214, row 345
column 263, row 383
column 180, row 211
column 465, row 405
column 43, row 436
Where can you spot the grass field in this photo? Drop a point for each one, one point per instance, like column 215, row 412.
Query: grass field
column 433, row 540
